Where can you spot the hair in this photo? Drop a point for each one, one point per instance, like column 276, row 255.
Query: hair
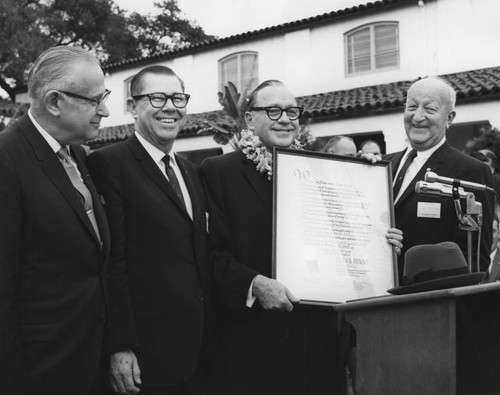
column 368, row 142
column 51, row 71
column 136, row 83
column 253, row 96
column 333, row 142
column 451, row 91
column 491, row 156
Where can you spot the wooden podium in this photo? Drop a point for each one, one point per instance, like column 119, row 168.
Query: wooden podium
column 439, row 342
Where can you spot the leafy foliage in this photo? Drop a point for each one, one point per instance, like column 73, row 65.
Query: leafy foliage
column 306, row 138
column 489, row 139
column 28, row 27
column 227, row 130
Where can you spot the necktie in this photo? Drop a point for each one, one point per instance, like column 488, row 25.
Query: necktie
column 172, row 178
column 81, row 188
column 402, row 173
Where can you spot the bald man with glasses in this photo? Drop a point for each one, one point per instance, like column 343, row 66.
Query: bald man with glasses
column 54, row 238
column 159, row 284
column 270, row 344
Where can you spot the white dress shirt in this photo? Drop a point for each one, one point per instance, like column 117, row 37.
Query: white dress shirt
column 415, row 166
column 157, row 156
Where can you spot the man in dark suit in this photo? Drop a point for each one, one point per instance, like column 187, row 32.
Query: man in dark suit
column 158, row 284
column 53, row 232
column 429, row 111
column 270, row 344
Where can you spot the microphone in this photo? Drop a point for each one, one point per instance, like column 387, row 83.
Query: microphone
column 433, row 177
column 435, row 188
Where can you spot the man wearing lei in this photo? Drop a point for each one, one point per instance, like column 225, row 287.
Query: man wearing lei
column 268, row 342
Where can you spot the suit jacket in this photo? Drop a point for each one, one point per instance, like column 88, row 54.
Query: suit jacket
column 52, row 308
column 446, row 161
column 495, row 267
column 159, row 280
column 261, row 351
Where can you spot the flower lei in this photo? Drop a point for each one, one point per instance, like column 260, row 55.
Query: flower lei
column 257, row 152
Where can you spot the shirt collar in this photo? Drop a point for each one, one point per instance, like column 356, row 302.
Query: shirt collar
column 154, row 152
column 424, row 155
column 50, row 140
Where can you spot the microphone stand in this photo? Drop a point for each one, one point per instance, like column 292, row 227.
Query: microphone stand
column 470, row 222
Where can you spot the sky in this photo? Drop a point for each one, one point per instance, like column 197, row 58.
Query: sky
column 223, row 18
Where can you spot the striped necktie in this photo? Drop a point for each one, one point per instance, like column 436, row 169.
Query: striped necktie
column 81, row 189
column 401, row 176
column 172, row 178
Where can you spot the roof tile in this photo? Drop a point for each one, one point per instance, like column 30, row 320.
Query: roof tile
column 482, row 84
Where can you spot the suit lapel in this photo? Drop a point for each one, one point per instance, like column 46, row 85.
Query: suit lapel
column 396, row 161
column 259, row 182
column 434, row 163
column 153, row 172
column 99, row 213
column 54, row 170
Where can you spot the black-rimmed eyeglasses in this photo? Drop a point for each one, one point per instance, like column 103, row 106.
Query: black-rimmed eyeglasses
column 98, row 101
column 158, row 100
column 275, row 113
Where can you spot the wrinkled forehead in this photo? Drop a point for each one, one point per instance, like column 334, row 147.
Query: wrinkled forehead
column 84, row 75
column 275, row 96
column 430, row 90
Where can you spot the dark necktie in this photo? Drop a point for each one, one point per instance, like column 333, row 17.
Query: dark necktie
column 172, row 178
column 402, row 173
column 81, row 188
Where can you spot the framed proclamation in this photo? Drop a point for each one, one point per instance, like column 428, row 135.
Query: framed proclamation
column 330, row 217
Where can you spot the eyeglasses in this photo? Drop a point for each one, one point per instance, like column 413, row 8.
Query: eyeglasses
column 158, row 100
column 98, row 101
column 275, row 113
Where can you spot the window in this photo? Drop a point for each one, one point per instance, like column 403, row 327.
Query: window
column 372, row 47
column 126, row 91
column 241, row 69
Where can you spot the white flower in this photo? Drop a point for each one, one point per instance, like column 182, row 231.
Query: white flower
column 257, row 152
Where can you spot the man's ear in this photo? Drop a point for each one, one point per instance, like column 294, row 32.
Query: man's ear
column 451, row 117
column 249, row 121
column 132, row 107
column 51, row 102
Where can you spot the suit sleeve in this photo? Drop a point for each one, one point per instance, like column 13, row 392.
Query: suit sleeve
column 13, row 377
column 232, row 278
column 121, row 322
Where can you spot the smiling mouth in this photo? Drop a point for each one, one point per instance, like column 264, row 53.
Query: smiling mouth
column 167, row 121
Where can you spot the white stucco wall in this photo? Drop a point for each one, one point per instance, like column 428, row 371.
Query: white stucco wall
column 390, row 124
column 441, row 37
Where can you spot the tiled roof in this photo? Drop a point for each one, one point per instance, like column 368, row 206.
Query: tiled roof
column 350, row 12
column 474, row 85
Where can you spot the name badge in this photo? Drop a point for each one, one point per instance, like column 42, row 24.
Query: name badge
column 428, row 210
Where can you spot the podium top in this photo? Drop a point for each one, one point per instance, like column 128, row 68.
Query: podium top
column 417, row 297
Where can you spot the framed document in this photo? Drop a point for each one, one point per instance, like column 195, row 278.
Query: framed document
column 330, row 217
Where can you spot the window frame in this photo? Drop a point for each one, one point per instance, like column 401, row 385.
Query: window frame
column 373, row 68
column 238, row 56
column 126, row 92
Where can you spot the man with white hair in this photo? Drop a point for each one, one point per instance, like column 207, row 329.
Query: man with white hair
column 54, row 238
column 429, row 112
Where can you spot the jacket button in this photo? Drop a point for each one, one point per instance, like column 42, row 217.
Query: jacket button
column 200, row 297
